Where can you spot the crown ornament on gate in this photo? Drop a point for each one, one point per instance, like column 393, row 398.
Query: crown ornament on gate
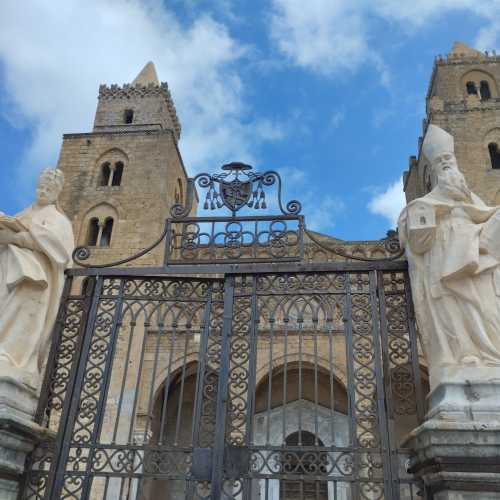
column 238, row 186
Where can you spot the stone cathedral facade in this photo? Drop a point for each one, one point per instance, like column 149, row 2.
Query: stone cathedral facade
column 123, row 177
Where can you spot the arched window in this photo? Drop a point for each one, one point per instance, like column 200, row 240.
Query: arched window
column 93, row 232
column 484, row 90
column 494, row 155
column 106, row 232
column 117, row 174
column 471, row 88
column 128, row 116
column 303, row 463
column 479, row 83
column 105, row 174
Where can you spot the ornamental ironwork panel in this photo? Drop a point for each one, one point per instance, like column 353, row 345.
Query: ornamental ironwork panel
column 258, row 361
column 295, row 385
column 230, row 240
column 279, row 235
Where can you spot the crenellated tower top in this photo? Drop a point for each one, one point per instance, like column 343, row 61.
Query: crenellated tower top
column 145, row 104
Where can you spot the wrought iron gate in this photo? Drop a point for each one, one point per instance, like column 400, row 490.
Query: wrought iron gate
column 275, row 378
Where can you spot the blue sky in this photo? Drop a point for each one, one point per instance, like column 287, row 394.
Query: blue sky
column 329, row 92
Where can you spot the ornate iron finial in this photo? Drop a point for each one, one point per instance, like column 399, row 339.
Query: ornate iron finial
column 236, row 187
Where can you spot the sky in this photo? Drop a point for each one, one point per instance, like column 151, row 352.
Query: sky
column 330, row 93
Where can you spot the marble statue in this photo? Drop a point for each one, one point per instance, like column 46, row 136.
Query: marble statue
column 452, row 242
column 35, row 249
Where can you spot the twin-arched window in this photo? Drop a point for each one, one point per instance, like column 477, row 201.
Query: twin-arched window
column 111, row 174
column 99, row 232
column 484, row 89
column 480, row 84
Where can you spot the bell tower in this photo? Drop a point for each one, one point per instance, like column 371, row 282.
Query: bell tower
column 122, row 178
column 463, row 98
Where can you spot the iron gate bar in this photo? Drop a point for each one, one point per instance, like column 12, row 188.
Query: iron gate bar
column 202, row 367
column 261, row 268
column 67, row 426
column 104, row 390
column 389, row 407
column 381, row 393
column 351, row 391
column 222, row 392
column 252, row 364
column 413, row 354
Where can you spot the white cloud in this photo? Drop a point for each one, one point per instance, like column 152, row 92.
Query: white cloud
column 321, row 216
column 320, row 210
column 331, row 37
column 389, row 203
column 312, row 37
column 55, row 53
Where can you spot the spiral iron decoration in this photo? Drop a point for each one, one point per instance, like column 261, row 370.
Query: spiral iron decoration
column 234, row 188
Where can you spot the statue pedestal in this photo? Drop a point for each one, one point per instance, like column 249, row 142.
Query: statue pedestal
column 465, row 393
column 457, row 449
column 18, row 433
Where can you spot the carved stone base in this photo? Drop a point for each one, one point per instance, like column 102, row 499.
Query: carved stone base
column 18, row 433
column 457, row 450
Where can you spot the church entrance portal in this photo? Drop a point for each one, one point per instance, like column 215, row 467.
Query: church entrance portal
column 242, row 369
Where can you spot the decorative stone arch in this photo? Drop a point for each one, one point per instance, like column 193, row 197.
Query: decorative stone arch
column 102, row 212
column 113, row 153
column 477, row 76
column 102, row 199
column 160, row 380
column 339, row 373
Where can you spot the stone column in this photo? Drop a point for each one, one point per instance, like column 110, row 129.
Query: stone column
column 457, row 448
column 18, row 433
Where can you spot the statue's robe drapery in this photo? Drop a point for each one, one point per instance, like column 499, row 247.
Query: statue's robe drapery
column 31, row 283
column 455, row 281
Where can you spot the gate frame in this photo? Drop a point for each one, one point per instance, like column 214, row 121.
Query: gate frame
column 230, row 268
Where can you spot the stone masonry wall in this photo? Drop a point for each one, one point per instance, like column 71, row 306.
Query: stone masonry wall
column 152, row 169
column 473, row 122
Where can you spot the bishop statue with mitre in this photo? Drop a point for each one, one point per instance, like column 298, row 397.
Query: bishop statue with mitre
column 452, row 241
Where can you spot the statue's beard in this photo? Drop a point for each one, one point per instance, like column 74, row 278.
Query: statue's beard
column 456, row 191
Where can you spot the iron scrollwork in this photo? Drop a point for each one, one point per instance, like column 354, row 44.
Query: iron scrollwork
column 236, row 187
